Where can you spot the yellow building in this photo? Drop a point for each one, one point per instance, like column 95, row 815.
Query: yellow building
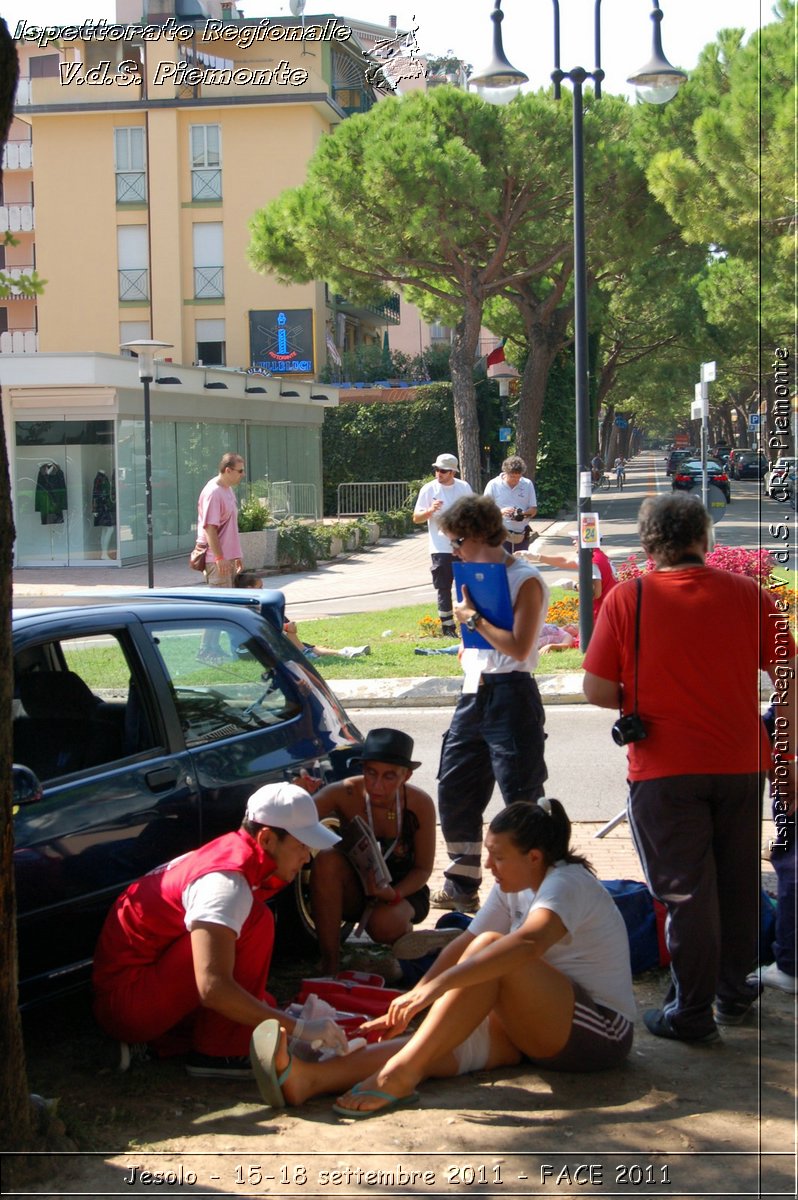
column 138, row 155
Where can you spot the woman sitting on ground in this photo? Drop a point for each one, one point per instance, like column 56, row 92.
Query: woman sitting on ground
column 402, row 819
column 542, row 973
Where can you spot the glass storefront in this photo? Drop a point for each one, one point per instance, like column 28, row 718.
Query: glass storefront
column 74, row 504
column 65, row 495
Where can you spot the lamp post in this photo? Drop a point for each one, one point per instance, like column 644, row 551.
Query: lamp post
column 656, row 82
column 145, row 349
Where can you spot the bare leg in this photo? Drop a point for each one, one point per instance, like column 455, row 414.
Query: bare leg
column 530, row 1011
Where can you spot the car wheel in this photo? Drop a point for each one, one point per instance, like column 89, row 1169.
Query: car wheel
column 296, row 931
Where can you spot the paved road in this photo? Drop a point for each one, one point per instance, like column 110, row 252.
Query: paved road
column 586, row 768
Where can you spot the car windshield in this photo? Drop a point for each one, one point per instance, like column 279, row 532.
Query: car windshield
column 696, row 466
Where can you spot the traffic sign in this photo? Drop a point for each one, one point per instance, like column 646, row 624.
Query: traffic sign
column 505, row 433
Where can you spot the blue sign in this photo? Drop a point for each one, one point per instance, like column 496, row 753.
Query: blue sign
column 281, row 340
column 505, row 433
column 621, row 423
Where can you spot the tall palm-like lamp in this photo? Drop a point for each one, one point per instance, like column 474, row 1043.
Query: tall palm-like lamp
column 145, row 349
column 656, row 82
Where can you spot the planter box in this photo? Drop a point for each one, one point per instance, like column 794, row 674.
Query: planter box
column 259, row 549
column 373, row 533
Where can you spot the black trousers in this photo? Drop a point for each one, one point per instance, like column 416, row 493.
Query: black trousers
column 496, row 736
column 698, row 840
column 443, row 582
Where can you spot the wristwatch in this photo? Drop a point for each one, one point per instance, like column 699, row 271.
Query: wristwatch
column 472, row 622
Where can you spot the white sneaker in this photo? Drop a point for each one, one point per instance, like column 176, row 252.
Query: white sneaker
column 773, row 976
column 354, row 651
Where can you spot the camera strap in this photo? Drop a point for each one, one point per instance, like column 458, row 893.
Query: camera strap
column 639, row 588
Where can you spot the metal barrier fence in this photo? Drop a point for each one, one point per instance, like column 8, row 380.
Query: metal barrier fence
column 287, row 499
column 357, row 499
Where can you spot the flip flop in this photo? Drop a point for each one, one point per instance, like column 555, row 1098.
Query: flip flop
column 262, row 1052
column 363, row 1114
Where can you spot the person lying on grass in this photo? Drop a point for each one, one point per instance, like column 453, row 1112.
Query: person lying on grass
column 542, row 974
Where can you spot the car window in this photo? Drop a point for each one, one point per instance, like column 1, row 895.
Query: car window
column 224, row 682
column 77, row 706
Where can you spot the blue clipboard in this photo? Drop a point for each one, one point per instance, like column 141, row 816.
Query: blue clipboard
column 489, row 588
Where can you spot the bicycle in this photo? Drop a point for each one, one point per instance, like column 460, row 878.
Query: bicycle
column 602, row 483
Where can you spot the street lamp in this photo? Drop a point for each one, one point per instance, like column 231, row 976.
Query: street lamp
column 656, row 82
column 145, row 349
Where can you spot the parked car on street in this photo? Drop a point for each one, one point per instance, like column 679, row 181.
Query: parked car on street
column 777, row 478
column 139, row 732
column 688, row 475
column 747, row 464
column 677, row 456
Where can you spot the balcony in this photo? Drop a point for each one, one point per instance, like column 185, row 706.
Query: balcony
column 19, row 341
column 17, row 156
column 386, row 313
column 14, row 273
column 209, row 283
column 134, row 286
column 131, row 187
column 17, row 218
column 22, row 98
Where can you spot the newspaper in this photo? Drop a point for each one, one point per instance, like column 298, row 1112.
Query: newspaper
column 362, row 849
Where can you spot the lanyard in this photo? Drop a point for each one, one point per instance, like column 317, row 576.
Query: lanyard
column 393, row 844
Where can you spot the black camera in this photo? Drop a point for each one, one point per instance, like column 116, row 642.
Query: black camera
column 628, row 729
column 518, row 515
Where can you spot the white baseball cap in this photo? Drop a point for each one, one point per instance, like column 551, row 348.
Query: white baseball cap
column 447, row 462
column 286, row 806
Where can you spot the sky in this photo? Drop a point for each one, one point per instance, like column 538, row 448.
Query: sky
column 464, row 26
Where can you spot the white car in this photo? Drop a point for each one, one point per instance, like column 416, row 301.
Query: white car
column 776, row 479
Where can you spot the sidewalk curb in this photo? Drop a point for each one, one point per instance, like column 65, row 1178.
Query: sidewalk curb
column 436, row 692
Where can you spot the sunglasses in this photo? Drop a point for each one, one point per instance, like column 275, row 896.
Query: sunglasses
column 444, row 471
column 457, row 542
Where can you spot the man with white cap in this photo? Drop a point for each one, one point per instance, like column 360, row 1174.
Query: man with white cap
column 183, row 958
column 433, row 500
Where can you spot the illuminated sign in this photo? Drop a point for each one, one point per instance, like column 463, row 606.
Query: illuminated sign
column 281, row 340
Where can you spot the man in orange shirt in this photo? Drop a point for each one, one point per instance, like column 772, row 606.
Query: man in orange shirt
column 696, row 776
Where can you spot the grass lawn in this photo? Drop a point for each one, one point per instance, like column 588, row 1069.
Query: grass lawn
column 394, row 635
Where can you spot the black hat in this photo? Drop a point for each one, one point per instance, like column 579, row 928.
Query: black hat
column 389, row 746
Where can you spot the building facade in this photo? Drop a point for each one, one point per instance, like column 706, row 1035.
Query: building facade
column 138, row 155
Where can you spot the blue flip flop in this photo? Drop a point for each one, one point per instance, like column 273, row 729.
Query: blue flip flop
column 262, row 1052
column 363, row 1114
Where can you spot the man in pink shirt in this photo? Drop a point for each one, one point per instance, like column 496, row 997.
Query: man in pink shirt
column 217, row 523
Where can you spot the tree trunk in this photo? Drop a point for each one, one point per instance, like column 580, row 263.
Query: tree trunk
column 15, row 1112
column 464, row 396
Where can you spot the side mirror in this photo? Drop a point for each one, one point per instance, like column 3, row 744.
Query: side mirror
column 26, row 786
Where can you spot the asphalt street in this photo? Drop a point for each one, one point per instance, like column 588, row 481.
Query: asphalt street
column 586, row 769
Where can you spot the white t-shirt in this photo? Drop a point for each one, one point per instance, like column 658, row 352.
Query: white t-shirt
column 594, row 952
column 434, row 490
column 521, row 496
column 220, row 898
column 477, row 661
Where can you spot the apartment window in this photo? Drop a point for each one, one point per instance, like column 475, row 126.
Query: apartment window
column 133, row 263
column 132, row 331
column 210, row 342
column 208, row 261
column 3, row 320
column 43, row 66
column 130, row 165
column 206, row 162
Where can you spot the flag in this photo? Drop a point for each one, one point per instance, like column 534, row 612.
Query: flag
column 332, row 350
column 497, row 356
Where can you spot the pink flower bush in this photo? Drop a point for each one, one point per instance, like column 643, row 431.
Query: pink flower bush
column 756, row 564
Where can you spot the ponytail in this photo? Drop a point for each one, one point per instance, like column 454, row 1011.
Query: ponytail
column 540, row 826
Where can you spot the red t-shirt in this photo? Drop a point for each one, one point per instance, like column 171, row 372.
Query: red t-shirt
column 704, row 636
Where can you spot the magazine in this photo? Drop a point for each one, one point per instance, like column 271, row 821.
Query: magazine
column 362, row 849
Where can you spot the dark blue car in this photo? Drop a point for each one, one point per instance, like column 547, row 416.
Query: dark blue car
column 144, row 727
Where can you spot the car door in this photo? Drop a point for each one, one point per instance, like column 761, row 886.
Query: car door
column 119, row 793
column 243, row 719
